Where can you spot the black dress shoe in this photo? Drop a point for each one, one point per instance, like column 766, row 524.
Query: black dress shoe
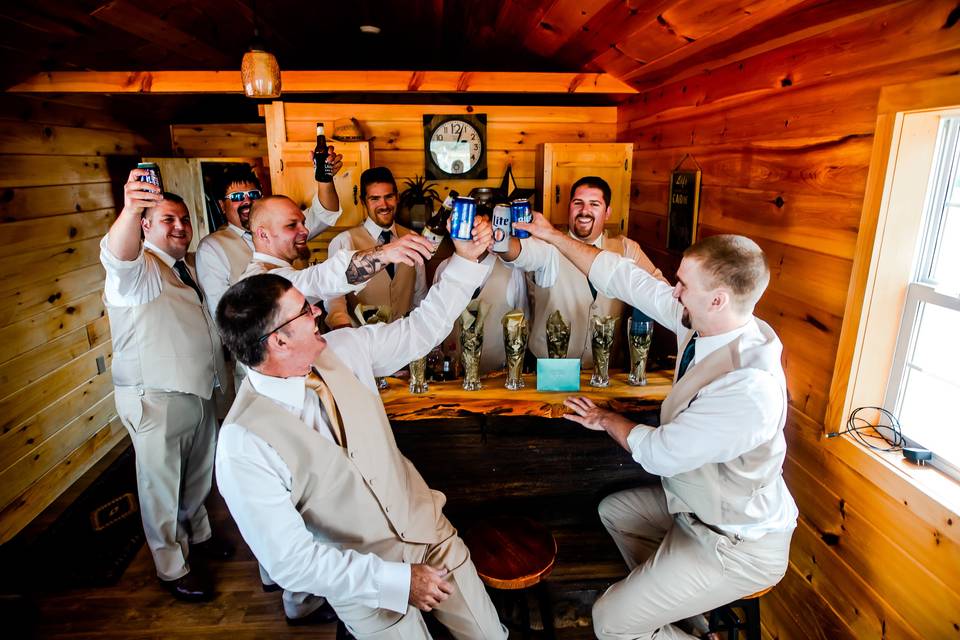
column 189, row 588
column 270, row 588
column 324, row 614
column 213, row 549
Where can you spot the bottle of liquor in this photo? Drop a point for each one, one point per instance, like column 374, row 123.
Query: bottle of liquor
column 322, row 170
column 436, row 227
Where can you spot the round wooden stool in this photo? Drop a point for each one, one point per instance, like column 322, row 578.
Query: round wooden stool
column 726, row 619
column 513, row 554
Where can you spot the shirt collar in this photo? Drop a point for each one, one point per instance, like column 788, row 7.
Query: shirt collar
column 266, row 257
column 286, row 391
column 375, row 230
column 597, row 242
column 160, row 253
column 240, row 231
column 708, row 344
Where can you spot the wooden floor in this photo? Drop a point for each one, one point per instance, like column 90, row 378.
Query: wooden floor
column 138, row 608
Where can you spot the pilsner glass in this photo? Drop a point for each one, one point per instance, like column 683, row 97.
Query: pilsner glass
column 639, row 335
column 601, row 341
column 418, row 376
column 515, row 336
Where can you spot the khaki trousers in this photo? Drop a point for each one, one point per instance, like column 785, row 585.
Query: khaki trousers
column 679, row 567
column 468, row 612
column 174, row 437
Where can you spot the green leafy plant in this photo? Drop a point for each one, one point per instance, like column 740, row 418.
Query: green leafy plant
column 418, row 191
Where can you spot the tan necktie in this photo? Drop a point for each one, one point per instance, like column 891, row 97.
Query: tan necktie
column 315, row 382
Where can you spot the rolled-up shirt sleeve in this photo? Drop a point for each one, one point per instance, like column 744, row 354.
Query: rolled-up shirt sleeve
column 621, row 278
column 541, row 258
column 255, row 483
column 318, row 218
column 712, row 429
column 127, row 282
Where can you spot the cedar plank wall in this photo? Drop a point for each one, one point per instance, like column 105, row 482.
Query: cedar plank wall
column 782, row 124
column 56, row 202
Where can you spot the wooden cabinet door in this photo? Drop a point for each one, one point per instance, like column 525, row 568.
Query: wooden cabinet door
column 565, row 163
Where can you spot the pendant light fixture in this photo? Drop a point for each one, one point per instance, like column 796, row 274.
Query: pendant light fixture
column 259, row 70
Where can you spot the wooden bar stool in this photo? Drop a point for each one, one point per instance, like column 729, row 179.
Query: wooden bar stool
column 513, row 554
column 726, row 619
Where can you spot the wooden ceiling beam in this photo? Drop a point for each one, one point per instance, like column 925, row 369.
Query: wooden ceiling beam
column 160, row 82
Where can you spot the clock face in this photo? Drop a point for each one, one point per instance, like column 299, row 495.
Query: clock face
column 456, row 146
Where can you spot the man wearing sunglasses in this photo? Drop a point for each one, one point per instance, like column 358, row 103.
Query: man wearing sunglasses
column 309, row 469
column 223, row 255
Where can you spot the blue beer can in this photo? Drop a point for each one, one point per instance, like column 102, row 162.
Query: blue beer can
column 520, row 212
column 461, row 219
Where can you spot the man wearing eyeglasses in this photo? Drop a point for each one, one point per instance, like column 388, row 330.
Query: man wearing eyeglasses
column 310, row 471
column 223, row 255
column 167, row 361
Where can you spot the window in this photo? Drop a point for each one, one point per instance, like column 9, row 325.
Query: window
column 924, row 383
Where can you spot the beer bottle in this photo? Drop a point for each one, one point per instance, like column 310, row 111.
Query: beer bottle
column 321, row 168
column 436, row 227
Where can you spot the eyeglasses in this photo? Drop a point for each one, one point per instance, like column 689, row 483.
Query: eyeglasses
column 307, row 308
column 238, row 196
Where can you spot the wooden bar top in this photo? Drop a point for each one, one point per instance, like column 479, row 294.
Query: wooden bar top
column 449, row 400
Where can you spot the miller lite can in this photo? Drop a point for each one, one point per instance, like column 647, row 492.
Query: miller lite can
column 461, row 219
column 501, row 228
column 520, row 212
column 154, row 177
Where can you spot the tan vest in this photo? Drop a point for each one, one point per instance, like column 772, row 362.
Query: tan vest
column 742, row 491
column 571, row 295
column 360, row 493
column 493, row 295
column 380, row 289
column 168, row 343
column 237, row 250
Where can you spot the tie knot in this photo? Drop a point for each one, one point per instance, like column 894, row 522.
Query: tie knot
column 385, row 236
column 314, row 381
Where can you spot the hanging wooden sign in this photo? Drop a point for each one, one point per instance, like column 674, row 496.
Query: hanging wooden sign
column 683, row 209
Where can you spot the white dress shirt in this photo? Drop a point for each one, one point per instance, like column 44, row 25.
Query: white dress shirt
column 342, row 242
column 256, row 483
column 322, row 281
column 516, row 293
column 132, row 282
column 729, row 417
column 543, row 259
column 213, row 266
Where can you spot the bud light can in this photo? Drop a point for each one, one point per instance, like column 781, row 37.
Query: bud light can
column 154, row 177
column 520, row 212
column 461, row 220
column 501, row 228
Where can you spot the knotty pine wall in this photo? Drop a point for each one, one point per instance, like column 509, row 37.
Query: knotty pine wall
column 57, row 416
column 782, row 124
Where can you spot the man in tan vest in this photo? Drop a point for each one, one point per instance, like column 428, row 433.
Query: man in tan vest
column 309, row 469
column 557, row 285
column 167, row 360
column 402, row 287
column 719, row 526
column 223, row 255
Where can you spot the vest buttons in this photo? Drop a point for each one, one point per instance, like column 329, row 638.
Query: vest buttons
column 370, row 481
column 353, row 454
column 387, row 509
column 403, row 535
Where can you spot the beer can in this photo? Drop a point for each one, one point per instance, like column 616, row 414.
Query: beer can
column 501, row 228
column 461, row 220
column 154, row 177
column 520, row 212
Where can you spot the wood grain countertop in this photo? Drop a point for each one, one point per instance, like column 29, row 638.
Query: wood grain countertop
column 449, row 400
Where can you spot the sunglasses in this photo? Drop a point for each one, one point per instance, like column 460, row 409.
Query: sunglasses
column 238, row 196
column 307, row 308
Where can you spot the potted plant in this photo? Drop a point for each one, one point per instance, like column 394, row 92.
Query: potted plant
column 416, row 202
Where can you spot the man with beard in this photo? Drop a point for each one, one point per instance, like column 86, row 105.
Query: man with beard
column 718, row 527
column 167, row 360
column 223, row 255
column 557, row 285
column 401, row 287
column 309, row 469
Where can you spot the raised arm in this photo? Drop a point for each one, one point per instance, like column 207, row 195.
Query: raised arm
column 124, row 236
column 325, row 209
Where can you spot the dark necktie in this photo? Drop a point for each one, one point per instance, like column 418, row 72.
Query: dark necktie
column 384, row 239
column 687, row 358
column 593, row 289
column 181, row 268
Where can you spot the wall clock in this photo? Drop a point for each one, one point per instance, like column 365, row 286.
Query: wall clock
column 455, row 146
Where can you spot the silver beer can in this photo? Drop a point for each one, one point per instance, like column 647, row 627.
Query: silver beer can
column 501, row 228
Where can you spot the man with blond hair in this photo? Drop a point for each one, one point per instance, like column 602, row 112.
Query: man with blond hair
column 718, row 528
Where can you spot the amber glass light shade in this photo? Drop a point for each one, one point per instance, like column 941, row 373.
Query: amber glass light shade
column 260, row 74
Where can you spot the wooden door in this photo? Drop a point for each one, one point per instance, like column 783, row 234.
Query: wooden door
column 564, row 163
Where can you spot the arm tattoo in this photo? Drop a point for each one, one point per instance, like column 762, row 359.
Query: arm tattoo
column 364, row 265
